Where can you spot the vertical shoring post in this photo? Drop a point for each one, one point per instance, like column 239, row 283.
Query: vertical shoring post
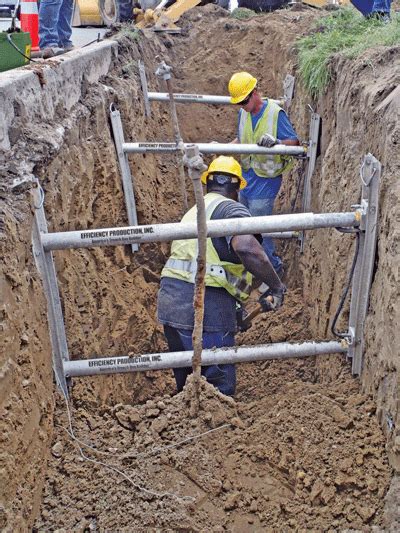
column 45, row 265
column 143, row 81
column 196, row 166
column 129, row 195
column 164, row 71
column 370, row 173
column 315, row 121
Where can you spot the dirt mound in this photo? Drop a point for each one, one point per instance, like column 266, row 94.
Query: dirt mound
column 287, row 454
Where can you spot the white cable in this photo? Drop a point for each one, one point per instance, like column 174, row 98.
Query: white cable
column 114, row 469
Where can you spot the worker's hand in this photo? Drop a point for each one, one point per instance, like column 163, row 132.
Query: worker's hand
column 267, row 140
column 272, row 299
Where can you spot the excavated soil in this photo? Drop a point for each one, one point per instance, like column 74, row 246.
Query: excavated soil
column 294, row 450
column 300, row 447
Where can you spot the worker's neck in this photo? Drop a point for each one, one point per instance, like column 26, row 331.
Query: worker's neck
column 257, row 106
column 231, row 195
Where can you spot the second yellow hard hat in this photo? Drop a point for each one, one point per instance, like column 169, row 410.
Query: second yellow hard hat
column 240, row 86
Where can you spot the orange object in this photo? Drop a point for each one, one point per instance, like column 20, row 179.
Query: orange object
column 29, row 19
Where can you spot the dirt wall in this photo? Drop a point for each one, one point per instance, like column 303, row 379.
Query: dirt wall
column 56, row 127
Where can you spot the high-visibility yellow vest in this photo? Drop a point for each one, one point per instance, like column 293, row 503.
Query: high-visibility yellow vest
column 182, row 263
column 265, row 166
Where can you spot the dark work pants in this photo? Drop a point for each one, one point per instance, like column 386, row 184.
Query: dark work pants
column 223, row 377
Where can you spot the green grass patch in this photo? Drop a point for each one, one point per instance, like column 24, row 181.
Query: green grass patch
column 242, row 13
column 127, row 30
column 345, row 31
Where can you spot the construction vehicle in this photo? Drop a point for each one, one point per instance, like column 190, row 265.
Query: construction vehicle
column 162, row 15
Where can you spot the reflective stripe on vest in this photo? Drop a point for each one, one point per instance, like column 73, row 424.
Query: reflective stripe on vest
column 183, row 261
column 265, row 166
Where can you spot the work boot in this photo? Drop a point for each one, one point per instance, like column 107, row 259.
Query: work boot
column 52, row 51
column 68, row 47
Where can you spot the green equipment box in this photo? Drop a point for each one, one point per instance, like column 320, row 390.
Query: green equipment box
column 9, row 56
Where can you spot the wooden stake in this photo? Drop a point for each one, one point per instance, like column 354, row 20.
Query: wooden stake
column 196, row 166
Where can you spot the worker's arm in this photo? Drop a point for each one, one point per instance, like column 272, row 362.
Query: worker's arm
column 289, row 142
column 235, row 141
column 256, row 261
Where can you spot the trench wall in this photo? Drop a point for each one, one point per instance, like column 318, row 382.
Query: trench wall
column 55, row 124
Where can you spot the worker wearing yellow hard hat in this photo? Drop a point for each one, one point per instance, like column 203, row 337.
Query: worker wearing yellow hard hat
column 264, row 123
column 224, row 166
column 231, row 263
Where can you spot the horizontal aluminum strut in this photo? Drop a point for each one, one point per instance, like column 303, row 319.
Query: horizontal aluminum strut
column 238, row 354
column 197, row 98
column 215, row 228
column 215, row 148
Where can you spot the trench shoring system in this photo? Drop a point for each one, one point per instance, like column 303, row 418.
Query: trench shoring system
column 363, row 220
column 308, row 152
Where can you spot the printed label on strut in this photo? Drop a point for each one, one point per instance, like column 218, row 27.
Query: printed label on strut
column 194, row 96
column 159, row 146
column 98, row 236
column 122, row 363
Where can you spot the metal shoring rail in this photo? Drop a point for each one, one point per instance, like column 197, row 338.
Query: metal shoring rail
column 315, row 123
column 238, row 354
column 215, row 228
column 370, row 174
column 45, row 265
column 184, row 98
column 215, row 148
column 127, row 186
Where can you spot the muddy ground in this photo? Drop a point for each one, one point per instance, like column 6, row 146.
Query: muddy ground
column 301, row 447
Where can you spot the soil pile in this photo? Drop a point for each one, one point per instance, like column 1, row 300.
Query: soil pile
column 295, row 449
column 297, row 454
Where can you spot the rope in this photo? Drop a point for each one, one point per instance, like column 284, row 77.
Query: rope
column 79, row 442
column 113, row 468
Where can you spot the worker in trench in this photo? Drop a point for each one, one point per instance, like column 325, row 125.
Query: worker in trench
column 231, row 264
column 264, row 123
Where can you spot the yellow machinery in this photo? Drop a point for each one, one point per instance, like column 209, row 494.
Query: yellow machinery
column 87, row 13
column 164, row 19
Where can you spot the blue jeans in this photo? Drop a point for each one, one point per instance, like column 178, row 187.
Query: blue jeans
column 55, row 17
column 223, row 377
column 381, row 6
column 260, row 207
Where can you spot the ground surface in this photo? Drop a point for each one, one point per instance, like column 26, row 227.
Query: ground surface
column 297, row 449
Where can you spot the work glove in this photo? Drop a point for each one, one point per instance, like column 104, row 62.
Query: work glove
column 272, row 299
column 267, row 140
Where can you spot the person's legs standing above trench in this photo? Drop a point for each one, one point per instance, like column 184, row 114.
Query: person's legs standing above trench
column 49, row 11
column 64, row 24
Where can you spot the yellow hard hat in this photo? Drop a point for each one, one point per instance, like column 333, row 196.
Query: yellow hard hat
column 240, row 86
column 225, row 165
